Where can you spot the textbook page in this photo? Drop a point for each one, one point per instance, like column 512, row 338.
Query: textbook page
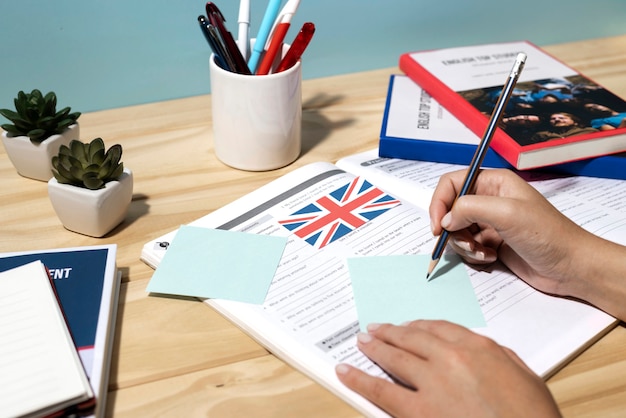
column 414, row 180
column 597, row 204
column 545, row 331
column 41, row 370
column 309, row 318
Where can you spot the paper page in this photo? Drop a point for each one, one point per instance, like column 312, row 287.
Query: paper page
column 473, row 67
column 394, row 289
column 414, row 180
column 310, row 301
column 543, row 341
column 213, row 263
column 597, row 204
column 309, row 317
column 40, row 365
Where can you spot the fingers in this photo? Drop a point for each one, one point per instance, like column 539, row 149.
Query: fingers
column 394, row 350
column 443, row 198
column 495, row 183
column 398, row 350
column 385, row 394
column 483, row 377
column 472, row 251
column 472, row 209
column 403, row 352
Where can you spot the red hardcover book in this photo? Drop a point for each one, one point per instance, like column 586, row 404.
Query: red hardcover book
column 555, row 115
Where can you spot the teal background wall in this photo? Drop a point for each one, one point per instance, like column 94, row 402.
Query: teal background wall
column 98, row 54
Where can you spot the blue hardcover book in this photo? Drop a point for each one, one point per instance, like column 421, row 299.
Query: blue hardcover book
column 87, row 284
column 416, row 127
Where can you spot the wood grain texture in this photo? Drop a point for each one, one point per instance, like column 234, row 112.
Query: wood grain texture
column 177, row 356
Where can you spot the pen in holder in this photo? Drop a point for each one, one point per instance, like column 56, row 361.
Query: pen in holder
column 257, row 119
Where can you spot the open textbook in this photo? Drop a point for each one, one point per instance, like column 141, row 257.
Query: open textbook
column 309, row 318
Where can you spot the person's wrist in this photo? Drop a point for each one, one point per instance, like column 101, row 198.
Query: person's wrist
column 595, row 265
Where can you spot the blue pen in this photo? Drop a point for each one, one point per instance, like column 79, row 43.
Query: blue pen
column 264, row 31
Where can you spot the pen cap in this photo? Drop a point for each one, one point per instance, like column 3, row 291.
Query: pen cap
column 257, row 120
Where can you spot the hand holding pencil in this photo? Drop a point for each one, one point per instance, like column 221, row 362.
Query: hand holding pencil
column 481, row 151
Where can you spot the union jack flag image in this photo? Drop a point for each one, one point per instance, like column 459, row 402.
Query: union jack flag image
column 342, row 211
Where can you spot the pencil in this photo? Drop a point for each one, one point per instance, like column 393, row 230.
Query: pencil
column 481, row 151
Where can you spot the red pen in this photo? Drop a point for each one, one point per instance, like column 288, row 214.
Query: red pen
column 297, row 47
column 276, row 42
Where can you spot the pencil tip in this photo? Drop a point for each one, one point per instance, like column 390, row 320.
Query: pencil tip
column 431, row 267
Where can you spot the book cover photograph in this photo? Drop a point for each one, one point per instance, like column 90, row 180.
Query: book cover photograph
column 555, row 115
column 415, row 126
column 553, row 108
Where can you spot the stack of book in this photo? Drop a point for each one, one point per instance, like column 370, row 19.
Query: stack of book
column 557, row 120
column 57, row 318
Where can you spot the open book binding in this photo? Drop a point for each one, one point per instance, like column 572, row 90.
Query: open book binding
column 309, row 319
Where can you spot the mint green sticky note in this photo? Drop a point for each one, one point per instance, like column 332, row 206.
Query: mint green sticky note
column 218, row 264
column 394, row 289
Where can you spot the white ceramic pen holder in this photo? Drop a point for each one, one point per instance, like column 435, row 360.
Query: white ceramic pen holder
column 257, row 119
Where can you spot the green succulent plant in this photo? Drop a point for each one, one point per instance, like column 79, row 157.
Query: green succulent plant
column 36, row 116
column 87, row 165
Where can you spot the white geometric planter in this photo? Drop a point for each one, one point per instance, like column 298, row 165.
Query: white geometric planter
column 92, row 212
column 34, row 160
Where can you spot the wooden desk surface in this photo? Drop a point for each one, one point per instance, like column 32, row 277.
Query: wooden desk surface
column 178, row 357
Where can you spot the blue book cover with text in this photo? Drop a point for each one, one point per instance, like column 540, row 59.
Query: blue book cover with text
column 87, row 285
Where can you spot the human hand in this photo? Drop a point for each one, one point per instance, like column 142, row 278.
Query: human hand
column 508, row 219
column 446, row 371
